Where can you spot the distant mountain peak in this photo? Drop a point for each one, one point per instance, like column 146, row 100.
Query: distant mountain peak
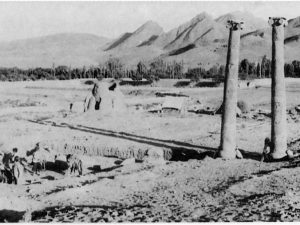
column 140, row 36
column 150, row 23
column 75, row 49
column 150, row 26
column 292, row 31
column 200, row 17
column 251, row 22
column 236, row 15
column 202, row 39
column 200, row 28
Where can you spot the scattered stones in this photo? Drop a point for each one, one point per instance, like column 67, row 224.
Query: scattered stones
column 238, row 112
column 206, row 189
column 197, row 213
column 115, row 213
column 129, row 213
column 155, row 152
column 128, row 162
column 154, row 161
column 243, row 106
column 155, row 155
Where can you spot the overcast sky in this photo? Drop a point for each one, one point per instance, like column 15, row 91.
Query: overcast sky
column 20, row 20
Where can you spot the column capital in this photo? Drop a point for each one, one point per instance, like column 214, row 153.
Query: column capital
column 277, row 21
column 235, row 25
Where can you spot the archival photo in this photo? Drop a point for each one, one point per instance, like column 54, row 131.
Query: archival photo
column 149, row 111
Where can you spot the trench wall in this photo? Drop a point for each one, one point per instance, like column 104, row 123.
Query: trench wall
column 98, row 149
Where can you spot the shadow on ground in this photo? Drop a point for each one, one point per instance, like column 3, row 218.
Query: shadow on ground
column 251, row 155
column 97, row 168
column 11, row 216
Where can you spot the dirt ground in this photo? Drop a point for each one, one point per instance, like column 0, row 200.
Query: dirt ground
column 189, row 186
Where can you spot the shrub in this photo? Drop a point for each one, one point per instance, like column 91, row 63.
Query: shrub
column 136, row 82
column 182, row 84
column 208, row 84
column 89, row 82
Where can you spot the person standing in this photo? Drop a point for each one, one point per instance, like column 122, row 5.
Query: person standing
column 268, row 148
column 8, row 162
column 17, row 171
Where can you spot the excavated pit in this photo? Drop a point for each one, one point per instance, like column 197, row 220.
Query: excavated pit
column 96, row 149
column 139, row 152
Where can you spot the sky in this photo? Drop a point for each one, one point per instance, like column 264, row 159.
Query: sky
column 19, row 20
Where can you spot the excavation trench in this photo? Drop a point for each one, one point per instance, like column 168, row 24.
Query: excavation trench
column 139, row 152
column 138, row 148
column 94, row 149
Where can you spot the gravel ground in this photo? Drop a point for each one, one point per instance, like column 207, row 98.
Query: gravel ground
column 191, row 187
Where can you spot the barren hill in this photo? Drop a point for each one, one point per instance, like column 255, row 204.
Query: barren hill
column 293, row 27
column 73, row 49
column 198, row 30
column 201, row 29
column 139, row 37
column 251, row 22
column 255, row 42
column 201, row 41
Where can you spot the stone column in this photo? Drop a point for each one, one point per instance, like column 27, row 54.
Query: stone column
column 278, row 101
column 228, row 130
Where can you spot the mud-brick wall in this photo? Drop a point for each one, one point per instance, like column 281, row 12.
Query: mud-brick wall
column 98, row 149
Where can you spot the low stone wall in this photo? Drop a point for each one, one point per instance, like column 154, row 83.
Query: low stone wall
column 96, row 149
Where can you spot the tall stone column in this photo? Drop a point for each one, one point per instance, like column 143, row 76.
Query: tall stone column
column 278, row 101
column 228, row 130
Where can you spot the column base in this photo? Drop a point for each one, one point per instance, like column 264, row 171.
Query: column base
column 278, row 155
column 227, row 154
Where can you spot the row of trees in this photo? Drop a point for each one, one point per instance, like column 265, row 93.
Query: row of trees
column 113, row 68
column 292, row 69
column 157, row 69
column 248, row 70
column 263, row 70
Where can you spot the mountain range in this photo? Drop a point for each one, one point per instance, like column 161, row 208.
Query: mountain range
column 202, row 41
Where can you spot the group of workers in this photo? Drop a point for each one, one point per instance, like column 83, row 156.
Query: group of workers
column 11, row 167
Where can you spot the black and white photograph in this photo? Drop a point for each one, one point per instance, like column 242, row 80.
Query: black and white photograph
column 149, row 111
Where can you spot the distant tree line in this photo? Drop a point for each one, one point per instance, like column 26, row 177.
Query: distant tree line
column 250, row 70
column 112, row 68
column 292, row 69
column 155, row 70
column 247, row 70
column 215, row 72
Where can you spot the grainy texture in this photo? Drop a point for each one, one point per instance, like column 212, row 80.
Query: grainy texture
column 186, row 185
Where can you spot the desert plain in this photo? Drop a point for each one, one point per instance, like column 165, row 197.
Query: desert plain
column 120, row 183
